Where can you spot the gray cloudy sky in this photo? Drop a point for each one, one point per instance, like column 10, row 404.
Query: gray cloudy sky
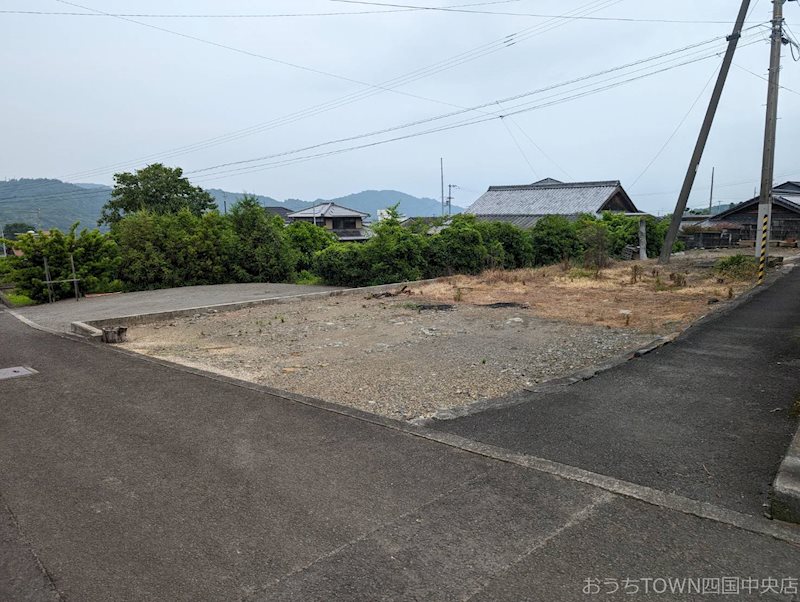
column 86, row 96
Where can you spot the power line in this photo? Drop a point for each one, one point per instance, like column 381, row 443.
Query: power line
column 519, row 148
column 239, row 15
column 761, row 77
column 523, row 108
column 414, row 75
column 487, row 104
column 677, row 128
column 539, row 148
column 536, row 15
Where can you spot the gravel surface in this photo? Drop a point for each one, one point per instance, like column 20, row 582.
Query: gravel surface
column 384, row 355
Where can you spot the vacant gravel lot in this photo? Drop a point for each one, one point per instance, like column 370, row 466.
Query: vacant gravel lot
column 384, row 355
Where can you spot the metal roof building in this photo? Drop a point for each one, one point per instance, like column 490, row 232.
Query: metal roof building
column 525, row 205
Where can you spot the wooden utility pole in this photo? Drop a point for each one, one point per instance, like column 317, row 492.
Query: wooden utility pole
column 768, row 163
column 691, row 173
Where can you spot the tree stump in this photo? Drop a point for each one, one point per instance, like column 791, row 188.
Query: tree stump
column 115, row 334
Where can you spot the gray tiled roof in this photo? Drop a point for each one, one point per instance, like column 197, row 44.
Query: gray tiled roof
column 328, row 210
column 521, row 221
column 547, row 197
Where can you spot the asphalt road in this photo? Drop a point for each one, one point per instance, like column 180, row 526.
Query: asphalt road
column 59, row 315
column 125, row 479
column 709, row 416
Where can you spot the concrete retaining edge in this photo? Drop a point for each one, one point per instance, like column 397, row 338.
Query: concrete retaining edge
column 784, row 497
column 85, row 330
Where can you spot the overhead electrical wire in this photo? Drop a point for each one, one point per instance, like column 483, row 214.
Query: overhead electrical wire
column 519, row 147
column 387, row 85
column 670, row 56
column 241, row 15
column 676, row 130
column 523, row 107
column 536, row 15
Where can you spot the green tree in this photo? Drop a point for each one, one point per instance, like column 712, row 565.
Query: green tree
column 395, row 253
column 593, row 234
column 308, row 240
column 155, row 188
column 95, row 256
column 458, row 249
column 10, row 231
column 183, row 249
column 343, row 264
column 515, row 244
column 263, row 250
column 555, row 238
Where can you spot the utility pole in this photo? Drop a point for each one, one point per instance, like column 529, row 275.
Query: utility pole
column 711, row 195
column 441, row 171
column 768, row 163
column 691, row 173
column 3, row 238
column 450, row 198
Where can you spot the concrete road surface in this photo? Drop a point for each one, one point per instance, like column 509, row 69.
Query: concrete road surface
column 123, row 478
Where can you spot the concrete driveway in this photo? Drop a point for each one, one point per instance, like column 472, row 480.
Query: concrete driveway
column 124, row 478
column 59, row 315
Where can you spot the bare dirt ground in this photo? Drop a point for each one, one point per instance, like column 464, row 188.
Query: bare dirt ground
column 399, row 358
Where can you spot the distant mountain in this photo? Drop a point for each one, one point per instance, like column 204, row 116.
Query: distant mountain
column 368, row 201
column 51, row 203
column 60, row 204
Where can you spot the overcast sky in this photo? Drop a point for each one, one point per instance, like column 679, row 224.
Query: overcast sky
column 86, row 96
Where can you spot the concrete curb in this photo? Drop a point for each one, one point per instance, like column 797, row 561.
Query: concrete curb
column 85, row 330
column 784, row 497
column 134, row 319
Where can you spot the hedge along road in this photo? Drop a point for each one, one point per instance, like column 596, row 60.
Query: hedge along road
column 123, row 478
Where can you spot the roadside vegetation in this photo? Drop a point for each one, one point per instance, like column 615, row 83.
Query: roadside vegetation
column 164, row 232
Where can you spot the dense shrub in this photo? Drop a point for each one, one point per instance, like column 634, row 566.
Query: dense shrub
column 342, row 264
column 555, row 238
column 307, row 240
column 394, row 253
column 737, row 267
column 95, row 256
column 515, row 244
column 169, row 250
column 595, row 240
column 458, row 249
column 263, row 251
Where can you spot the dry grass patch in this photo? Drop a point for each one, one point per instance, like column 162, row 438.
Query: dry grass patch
column 641, row 295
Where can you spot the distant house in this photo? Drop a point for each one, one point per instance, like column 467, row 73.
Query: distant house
column 525, row 205
column 281, row 212
column 785, row 215
column 346, row 224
